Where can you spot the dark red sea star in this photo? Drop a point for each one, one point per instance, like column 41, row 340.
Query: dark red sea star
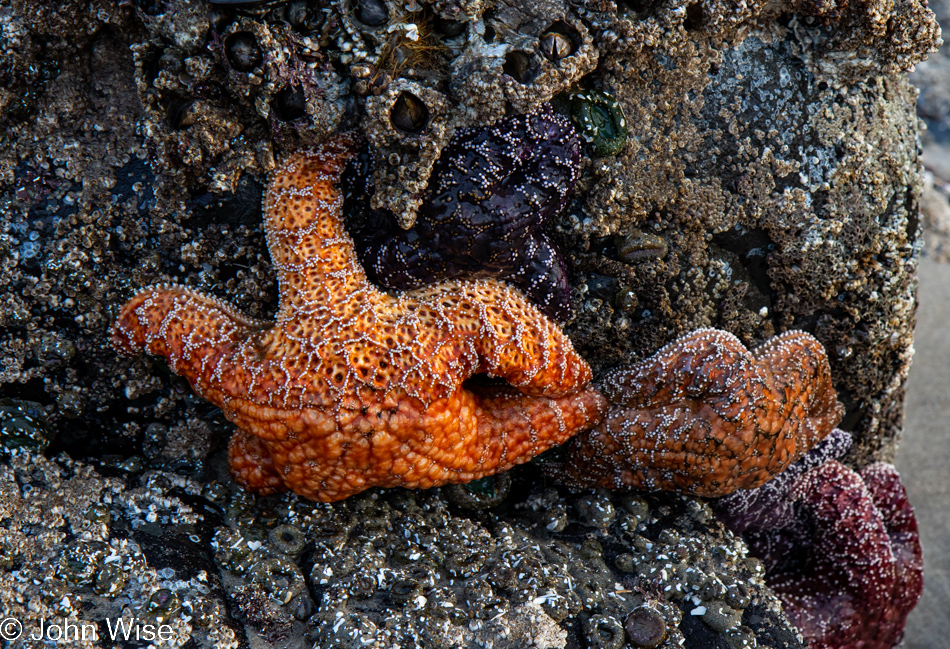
column 852, row 569
column 352, row 387
column 706, row 416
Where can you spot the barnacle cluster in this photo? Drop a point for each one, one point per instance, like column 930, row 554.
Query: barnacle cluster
column 279, row 88
column 72, row 540
column 144, row 168
column 490, row 59
column 392, row 568
column 22, row 424
column 408, row 74
column 408, row 569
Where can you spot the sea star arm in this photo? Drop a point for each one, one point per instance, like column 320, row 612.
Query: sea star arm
column 196, row 333
column 517, row 420
column 706, row 416
column 252, row 465
column 512, row 340
column 841, row 549
column 313, row 254
column 806, row 405
column 707, row 365
column 852, row 554
column 489, row 195
column 770, row 506
column 890, row 498
column 469, row 435
column 543, row 275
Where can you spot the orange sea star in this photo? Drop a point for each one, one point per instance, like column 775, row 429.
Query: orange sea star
column 706, row 416
column 351, row 387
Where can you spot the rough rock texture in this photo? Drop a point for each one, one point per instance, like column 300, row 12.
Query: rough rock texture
column 84, row 548
column 384, row 569
column 771, row 147
column 786, row 202
column 785, row 189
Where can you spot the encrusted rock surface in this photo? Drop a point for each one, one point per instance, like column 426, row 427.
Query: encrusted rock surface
column 783, row 189
column 769, row 181
column 391, row 568
column 786, row 201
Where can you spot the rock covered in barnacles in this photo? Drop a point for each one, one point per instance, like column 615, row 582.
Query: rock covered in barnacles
column 407, row 126
column 284, row 77
column 74, row 537
column 351, row 387
column 522, row 55
column 493, row 190
column 511, row 59
column 217, row 102
column 22, row 425
column 392, row 567
column 192, row 131
column 706, row 416
column 18, row 74
column 413, row 570
column 746, row 160
column 884, row 36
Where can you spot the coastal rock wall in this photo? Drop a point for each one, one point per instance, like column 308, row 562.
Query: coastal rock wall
column 749, row 166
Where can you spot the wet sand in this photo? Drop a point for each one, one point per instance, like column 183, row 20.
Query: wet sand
column 924, row 456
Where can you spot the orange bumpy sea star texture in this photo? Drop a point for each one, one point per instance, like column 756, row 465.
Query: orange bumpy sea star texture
column 351, row 387
column 706, row 416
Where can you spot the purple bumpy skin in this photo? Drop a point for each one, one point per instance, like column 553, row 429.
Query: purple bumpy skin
column 841, row 549
column 489, row 195
column 852, row 584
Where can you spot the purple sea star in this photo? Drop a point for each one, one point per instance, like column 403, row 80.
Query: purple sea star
column 862, row 572
column 489, row 195
column 841, row 549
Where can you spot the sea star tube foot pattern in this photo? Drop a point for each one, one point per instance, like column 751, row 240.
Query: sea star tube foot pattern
column 840, row 548
column 706, row 416
column 769, row 506
column 852, row 566
column 351, row 387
